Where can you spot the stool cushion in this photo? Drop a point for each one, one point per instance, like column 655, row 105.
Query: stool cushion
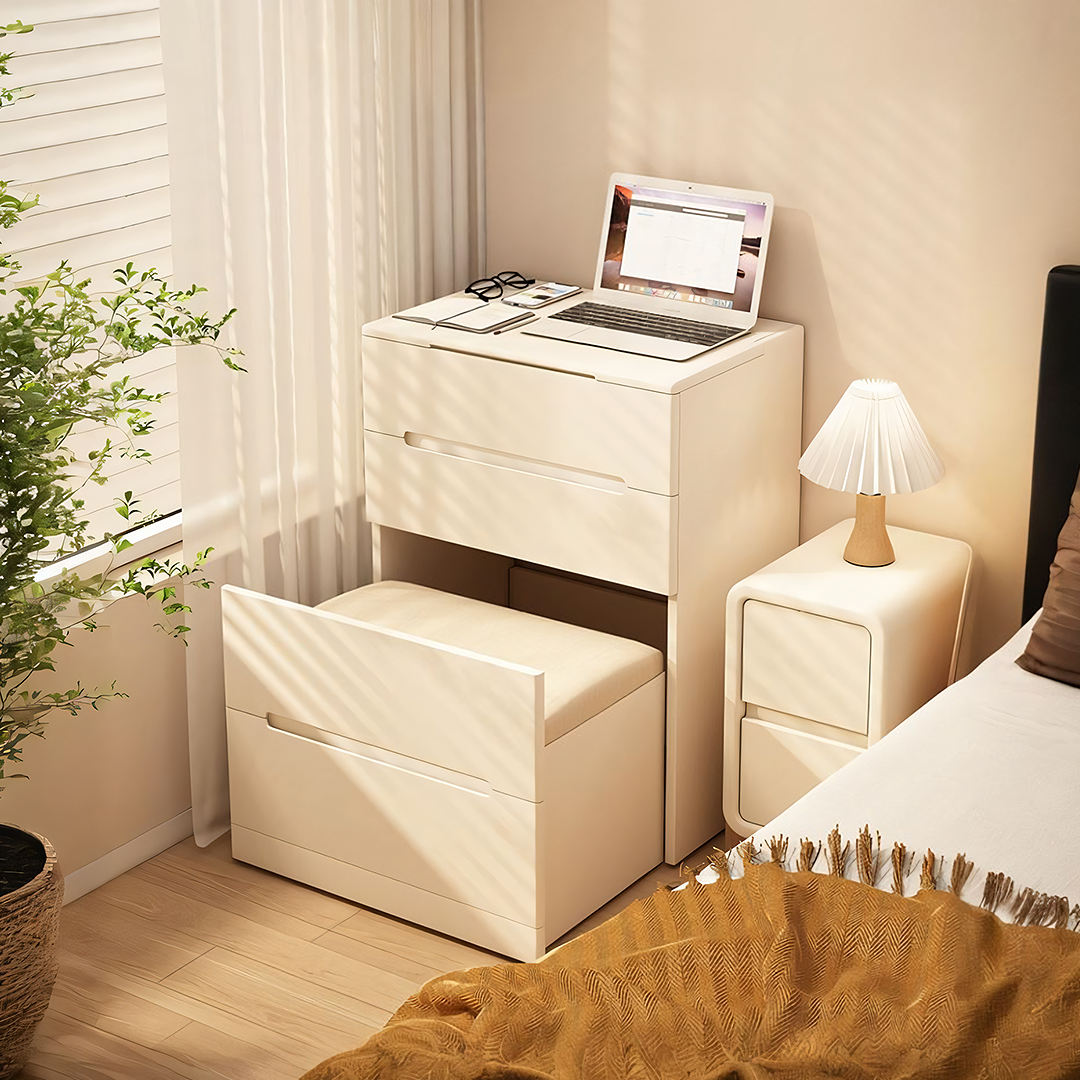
column 585, row 671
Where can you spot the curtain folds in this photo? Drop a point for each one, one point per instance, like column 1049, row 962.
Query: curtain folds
column 327, row 169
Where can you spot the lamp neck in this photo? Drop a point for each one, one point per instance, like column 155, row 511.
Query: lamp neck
column 869, row 544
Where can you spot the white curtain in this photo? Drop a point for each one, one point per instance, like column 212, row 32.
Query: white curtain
column 327, row 169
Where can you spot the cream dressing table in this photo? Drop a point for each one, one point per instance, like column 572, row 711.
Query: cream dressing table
column 615, row 491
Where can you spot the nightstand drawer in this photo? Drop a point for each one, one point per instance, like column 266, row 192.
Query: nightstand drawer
column 807, row 665
column 778, row 766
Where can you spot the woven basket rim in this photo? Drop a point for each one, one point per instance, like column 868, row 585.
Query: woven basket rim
column 46, row 871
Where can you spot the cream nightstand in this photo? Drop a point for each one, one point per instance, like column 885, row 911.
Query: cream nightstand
column 824, row 658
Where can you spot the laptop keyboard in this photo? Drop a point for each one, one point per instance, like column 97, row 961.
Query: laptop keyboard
column 643, row 322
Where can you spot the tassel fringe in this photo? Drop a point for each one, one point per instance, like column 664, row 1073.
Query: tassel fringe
column 808, row 853
column 1026, row 907
column 719, row 862
column 836, row 856
column 778, row 849
column 998, row 890
column 928, row 878
column 748, row 853
column 961, row 871
column 868, row 856
column 901, row 867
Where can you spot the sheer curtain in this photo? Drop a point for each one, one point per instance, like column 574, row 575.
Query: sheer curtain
column 326, row 164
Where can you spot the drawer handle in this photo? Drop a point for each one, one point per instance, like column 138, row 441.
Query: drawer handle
column 502, row 460
column 379, row 756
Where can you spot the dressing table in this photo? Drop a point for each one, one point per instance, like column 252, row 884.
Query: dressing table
column 614, row 491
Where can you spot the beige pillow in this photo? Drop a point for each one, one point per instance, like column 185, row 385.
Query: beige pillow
column 1054, row 647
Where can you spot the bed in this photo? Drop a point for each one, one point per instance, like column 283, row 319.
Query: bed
column 912, row 916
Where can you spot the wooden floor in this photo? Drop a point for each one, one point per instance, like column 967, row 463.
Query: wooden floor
column 193, row 965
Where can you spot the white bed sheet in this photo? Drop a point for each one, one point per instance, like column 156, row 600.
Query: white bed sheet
column 989, row 768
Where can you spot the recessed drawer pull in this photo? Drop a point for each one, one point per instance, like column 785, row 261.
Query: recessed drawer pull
column 503, row 460
column 378, row 755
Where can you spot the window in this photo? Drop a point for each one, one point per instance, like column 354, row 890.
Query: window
column 91, row 143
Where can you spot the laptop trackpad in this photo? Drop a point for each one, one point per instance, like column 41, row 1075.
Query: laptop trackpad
column 553, row 328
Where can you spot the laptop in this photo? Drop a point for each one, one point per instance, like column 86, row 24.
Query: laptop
column 679, row 270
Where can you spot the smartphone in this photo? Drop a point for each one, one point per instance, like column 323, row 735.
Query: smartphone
column 538, row 295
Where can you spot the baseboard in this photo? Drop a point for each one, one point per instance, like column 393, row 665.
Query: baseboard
column 119, row 860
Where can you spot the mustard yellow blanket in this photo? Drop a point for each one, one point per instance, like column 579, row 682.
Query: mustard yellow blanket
column 773, row 974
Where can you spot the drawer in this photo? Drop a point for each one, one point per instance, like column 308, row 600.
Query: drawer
column 625, row 434
column 805, row 664
column 385, row 819
column 777, row 766
column 518, row 508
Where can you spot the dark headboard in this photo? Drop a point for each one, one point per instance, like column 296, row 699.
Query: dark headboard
column 1057, row 430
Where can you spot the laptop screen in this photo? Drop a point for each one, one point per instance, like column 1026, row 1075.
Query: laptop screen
column 685, row 242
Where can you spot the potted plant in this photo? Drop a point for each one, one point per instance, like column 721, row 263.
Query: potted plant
column 59, row 346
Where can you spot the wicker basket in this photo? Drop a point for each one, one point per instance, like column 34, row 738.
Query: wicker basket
column 29, row 921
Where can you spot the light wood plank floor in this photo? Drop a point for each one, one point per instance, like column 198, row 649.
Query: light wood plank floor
column 196, row 966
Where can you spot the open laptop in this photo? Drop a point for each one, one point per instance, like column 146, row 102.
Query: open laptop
column 679, row 270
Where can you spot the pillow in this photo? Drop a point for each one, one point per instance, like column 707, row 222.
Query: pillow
column 1054, row 647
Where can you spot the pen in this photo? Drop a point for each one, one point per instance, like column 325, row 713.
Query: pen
column 523, row 322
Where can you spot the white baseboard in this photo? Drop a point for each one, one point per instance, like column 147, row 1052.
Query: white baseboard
column 119, row 860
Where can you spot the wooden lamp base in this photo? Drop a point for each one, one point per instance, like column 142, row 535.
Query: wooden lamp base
column 869, row 544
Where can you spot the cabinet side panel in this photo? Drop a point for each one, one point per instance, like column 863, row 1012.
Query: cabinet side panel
column 740, row 440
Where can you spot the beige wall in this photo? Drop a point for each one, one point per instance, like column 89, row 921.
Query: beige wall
column 100, row 780
column 925, row 163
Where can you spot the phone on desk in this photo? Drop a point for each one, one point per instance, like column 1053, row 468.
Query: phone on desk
column 536, row 296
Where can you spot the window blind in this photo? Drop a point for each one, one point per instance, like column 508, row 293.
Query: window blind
column 92, row 144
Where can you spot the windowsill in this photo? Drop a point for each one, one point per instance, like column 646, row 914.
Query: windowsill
column 156, row 539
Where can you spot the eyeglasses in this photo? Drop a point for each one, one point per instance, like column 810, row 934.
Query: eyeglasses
column 492, row 288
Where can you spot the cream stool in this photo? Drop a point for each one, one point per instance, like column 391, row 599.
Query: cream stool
column 484, row 772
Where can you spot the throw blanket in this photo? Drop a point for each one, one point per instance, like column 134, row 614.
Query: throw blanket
column 777, row 973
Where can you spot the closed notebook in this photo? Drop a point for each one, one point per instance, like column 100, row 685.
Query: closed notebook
column 489, row 317
column 438, row 312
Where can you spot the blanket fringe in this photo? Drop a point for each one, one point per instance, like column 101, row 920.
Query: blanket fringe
column 835, row 855
column 1023, row 904
column 901, row 866
column 997, row 891
column 808, row 854
column 868, row 856
column 748, row 852
column 928, row 877
column 1032, row 908
column 961, row 871
column 778, row 849
column 719, row 862
column 1026, row 907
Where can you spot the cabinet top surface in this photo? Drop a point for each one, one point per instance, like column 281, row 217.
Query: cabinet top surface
column 605, row 365
column 816, row 573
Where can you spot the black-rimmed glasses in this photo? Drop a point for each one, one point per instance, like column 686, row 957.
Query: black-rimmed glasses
column 492, row 288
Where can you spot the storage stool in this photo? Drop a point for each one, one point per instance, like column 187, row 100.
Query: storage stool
column 484, row 772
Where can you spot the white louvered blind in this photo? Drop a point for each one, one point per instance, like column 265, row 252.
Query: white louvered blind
column 91, row 143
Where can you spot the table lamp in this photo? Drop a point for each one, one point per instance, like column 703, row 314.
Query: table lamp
column 871, row 445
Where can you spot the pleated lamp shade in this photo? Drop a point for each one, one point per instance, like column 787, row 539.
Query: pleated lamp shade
column 870, row 445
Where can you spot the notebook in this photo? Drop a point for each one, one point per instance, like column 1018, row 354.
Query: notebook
column 678, row 272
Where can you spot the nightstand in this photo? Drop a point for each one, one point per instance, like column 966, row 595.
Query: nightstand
column 824, row 658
